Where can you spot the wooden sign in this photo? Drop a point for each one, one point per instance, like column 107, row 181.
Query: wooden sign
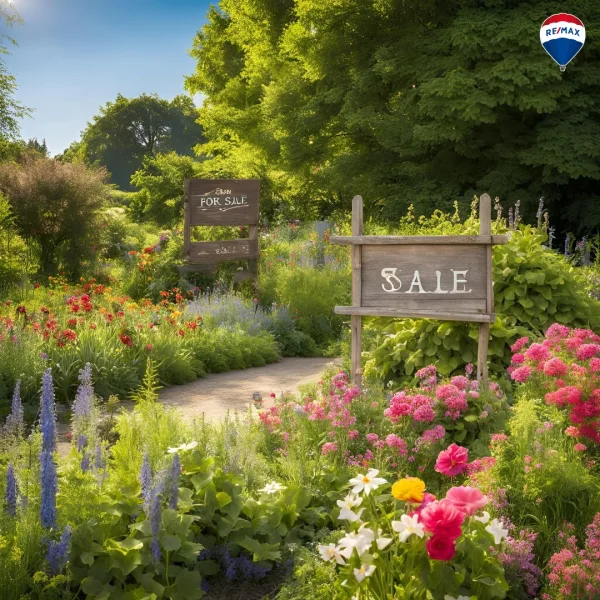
column 223, row 202
column 434, row 277
column 227, row 202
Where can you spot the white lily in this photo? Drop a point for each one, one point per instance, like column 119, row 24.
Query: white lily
column 484, row 518
column 361, row 540
column 331, row 552
column 408, row 526
column 272, row 488
column 368, row 482
column 364, row 571
column 347, row 504
column 382, row 542
column 182, row 448
column 496, row 529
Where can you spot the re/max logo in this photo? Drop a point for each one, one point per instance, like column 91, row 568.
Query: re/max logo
column 568, row 30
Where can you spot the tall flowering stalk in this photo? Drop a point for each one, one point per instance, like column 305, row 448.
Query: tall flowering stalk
column 14, row 422
column 146, row 480
column 58, row 552
column 83, row 427
column 49, row 482
column 154, row 515
column 10, row 496
column 174, row 481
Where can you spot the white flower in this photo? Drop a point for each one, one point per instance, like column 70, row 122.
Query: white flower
column 272, row 488
column 367, row 482
column 361, row 540
column 448, row 597
column 331, row 552
column 347, row 504
column 382, row 542
column 408, row 526
column 182, row 448
column 496, row 529
column 483, row 519
column 364, row 571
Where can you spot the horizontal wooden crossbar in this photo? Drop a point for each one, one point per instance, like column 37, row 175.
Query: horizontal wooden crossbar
column 382, row 240
column 414, row 314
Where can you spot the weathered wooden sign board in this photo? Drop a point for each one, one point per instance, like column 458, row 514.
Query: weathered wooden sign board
column 436, row 277
column 227, row 202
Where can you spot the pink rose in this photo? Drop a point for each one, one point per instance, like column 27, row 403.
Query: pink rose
column 452, row 461
column 467, row 499
column 440, row 547
column 442, row 518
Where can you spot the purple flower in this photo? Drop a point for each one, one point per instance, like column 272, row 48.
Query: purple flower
column 81, row 442
column 58, row 553
column 85, row 462
column 49, row 486
column 154, row 516
column 174, row 481
column 48, row 416
column 99, row 463
column 10, row 496
column 14, row 421
column 146, row 480
column 43, row 355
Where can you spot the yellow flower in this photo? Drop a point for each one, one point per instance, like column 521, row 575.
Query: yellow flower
column 411, row 489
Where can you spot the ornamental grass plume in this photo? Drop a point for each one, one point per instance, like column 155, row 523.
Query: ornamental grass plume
column 83, row 405
column 10, row 495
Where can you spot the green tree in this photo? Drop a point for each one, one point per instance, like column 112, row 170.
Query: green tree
column 160, row 184
column 10, row 110
column 127, row 131
column 55, row 206
column 402, row 101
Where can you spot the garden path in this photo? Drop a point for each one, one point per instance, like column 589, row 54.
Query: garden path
column 219, row 393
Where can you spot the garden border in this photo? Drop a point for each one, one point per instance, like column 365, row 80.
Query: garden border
column 461, row 309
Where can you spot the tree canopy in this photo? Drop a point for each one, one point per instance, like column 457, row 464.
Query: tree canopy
column 401, row 101
column 129, row 130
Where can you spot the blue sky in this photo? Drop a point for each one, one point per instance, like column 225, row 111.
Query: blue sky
column 75, row 55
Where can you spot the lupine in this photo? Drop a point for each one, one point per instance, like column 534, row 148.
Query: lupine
column 58, row 552
column 48, row 492
column 155, row 518
column 14, row 421
column 174, row 481
column 10, row 496
column 48, row 416
column 83, row 405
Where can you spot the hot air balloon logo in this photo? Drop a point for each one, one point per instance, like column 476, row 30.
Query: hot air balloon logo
column 562, row 36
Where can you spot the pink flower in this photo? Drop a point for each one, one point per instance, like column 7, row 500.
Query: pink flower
column 440, row 547
column 445, row 391
column 467, row 499
column 517, row 359
column 557, row 331
column 424, row 414
column 394, row 441
column 452, row 461
column 372, row 437
column 442, row 518
column 572, row 431
column 499, row 437
column 460, row 381
column 595, row 365
column 537, row 352
column 328, row 447
column 519, row 344
column 586, row 351
column 555, row 367
column 521, row 374
column 579, row 447
column 353, row 434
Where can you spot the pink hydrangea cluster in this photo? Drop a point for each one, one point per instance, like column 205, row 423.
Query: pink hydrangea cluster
column 567, row 365
column 395, row 441
column 575, row 573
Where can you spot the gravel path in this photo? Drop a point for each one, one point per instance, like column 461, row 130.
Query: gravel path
column 219, row 393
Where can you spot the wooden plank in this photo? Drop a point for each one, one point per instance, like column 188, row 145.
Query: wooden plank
column 212, row 252
column 186, row 218
column 414, row 314
column 485, row 228
column 442, row 278
column 224, row 201
column 205, row 269
column 356, row 321
column 412, row 240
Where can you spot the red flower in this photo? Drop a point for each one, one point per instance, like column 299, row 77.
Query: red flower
column 180, row 332
column 75, row 307
column 36, row 286
column 68, row 334
column 21, row 309
column 440, row 547
column 125, row 339
column 72, row 322
column 149, row 347
column 92, row 325
column 120, row 314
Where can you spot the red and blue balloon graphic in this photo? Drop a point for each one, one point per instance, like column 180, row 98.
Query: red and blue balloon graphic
column 562, row 36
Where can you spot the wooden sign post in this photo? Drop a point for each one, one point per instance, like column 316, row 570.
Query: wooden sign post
column 222, row 202
column 432, row 277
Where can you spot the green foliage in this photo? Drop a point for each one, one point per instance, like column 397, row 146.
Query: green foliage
column 130, row 129
column 56, row 206
column 533, row 288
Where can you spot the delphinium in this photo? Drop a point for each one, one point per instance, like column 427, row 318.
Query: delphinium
column 84, row 417
column 10, row 495
column 146, row 481
column 14, row 422
column 48, row 476
column 58, row 552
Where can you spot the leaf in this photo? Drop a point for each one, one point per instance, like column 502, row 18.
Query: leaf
column 87, row 558
column 223, row 498
column 187, row 586
column 170, row 542
column 261, row 551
